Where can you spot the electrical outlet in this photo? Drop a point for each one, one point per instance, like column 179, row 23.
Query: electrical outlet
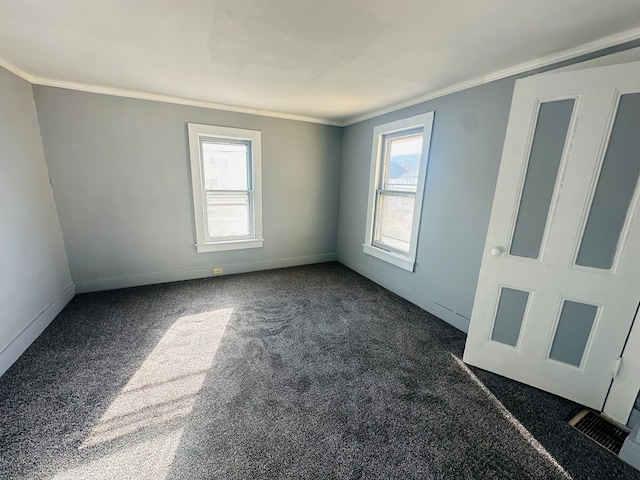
column 217, row 271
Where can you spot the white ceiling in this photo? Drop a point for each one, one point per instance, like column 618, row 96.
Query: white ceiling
column 328, row 59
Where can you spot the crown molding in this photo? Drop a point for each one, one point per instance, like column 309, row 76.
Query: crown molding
column 16, row 71
column 139, row 95
column 572, row 53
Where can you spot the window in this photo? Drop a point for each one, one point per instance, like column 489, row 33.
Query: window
column 225, row 171
column 398, row 169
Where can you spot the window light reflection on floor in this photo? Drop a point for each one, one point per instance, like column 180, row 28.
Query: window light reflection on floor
column 163, row 390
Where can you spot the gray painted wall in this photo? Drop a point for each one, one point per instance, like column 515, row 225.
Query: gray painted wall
column 468, row 133
column 120, row 174
column 34, row 275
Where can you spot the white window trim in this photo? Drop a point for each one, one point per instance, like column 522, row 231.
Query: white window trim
column 406, row 262
column 196, row 131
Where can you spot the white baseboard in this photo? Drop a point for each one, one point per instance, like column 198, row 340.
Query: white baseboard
column 449, row 316
column 135, row 280
column 21, row 342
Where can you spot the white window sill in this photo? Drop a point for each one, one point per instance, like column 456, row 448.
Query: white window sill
column 231, row 245
column 389, row 257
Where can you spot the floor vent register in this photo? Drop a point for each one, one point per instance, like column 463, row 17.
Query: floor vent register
column 600, row 430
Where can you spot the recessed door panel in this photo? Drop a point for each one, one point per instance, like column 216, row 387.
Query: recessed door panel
column 509, row 316
column 615, row 188
column 542, row 172
column 572, row 332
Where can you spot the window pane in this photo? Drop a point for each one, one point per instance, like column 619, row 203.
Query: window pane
column 509, row 316
column 225, row 165
column 402, row 163
column 228, row 215
column 544, row 161
column 572, row 333
column 394, row 218
column 617, row 182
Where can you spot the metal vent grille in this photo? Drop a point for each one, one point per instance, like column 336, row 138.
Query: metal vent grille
column 600, row 430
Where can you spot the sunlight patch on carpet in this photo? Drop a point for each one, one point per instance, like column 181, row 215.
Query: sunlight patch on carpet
column 167, row 383
column 164, row 389
column 149, row 459
column 522, row 430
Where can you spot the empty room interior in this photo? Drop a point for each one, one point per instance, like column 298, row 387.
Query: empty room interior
column 349, row 239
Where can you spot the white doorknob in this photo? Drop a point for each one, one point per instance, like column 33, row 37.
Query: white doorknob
column 496, row 251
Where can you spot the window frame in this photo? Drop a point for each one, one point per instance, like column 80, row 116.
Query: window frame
column 381, row 135
column 198, row 133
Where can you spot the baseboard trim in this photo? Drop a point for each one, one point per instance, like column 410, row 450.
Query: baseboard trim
column 136, row 280
column 17, row 346
column 448, row 316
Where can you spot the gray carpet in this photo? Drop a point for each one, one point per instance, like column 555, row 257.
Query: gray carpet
column 309, row 372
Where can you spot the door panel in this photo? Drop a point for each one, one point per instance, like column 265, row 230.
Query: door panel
column 509, row 317
column 558, row 286
column 547, row 145
column 572, row 332
column 614, row 191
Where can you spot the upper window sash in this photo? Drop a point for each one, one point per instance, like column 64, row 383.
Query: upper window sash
column 246, row 144
column 388, row 139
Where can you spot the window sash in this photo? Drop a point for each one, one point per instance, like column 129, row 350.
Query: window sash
column 391, row 189
column 378, row 222
column 227, row 141
column 403, row 223
column 209, row 194
column 385, row 159
column 209, row 197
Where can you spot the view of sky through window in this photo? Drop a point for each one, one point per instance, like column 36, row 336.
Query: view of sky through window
column 404, row 162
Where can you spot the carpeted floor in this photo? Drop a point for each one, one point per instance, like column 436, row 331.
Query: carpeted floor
column 309, row 372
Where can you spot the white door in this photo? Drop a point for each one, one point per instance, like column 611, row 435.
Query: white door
column 560, row 278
